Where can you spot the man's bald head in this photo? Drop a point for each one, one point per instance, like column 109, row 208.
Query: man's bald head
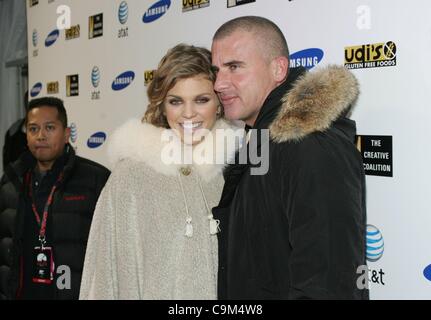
column 268, row 35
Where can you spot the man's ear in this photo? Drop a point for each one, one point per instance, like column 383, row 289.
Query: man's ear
column 66, row 135
column 280, row 67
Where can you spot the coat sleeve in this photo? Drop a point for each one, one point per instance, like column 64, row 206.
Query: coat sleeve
column 326, row 221
column 99, row 277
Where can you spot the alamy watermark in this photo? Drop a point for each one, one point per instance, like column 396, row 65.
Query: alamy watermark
column 219, row 146
column 65, row 17
column 64, row 278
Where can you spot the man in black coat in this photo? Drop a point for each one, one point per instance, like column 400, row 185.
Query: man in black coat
column 15, row 140
column 47, row 199
column 293, row 223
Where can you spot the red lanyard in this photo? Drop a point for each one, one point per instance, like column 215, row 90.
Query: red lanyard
column 42, row 224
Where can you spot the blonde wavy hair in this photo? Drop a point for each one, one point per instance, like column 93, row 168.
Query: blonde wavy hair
column 181, row 62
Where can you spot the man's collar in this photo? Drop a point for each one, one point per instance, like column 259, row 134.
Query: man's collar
column 272, row 103
column 59, row 163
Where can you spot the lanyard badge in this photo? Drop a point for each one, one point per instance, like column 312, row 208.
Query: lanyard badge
column 43, row 259
column 43, row 262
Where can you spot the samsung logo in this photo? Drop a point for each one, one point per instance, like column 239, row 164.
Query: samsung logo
column 36, row 89
column 123, row 80
column 52, row 37
column 156, row 11
column 96, row 140
column 307, row 58
column 427, row 273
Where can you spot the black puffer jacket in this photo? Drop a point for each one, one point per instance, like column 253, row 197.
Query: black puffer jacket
column 70, row 219
column 297, row 231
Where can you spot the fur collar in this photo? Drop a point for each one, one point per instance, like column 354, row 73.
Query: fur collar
column 315, row 101
column 142, row 142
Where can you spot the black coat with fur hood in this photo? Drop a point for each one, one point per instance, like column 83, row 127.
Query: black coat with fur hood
column 298, row 231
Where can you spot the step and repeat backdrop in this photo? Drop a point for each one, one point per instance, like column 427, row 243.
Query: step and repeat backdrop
column 99, row 56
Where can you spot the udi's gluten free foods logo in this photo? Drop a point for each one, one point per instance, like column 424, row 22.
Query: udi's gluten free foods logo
column 52, row 87
column 189, row 5
column 148, row 76
column 73, row 33
column 374, row 55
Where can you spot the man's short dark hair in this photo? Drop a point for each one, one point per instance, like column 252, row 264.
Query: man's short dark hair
column 51, row 102
column 270, row 36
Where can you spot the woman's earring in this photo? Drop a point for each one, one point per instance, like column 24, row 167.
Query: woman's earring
column 218, row 110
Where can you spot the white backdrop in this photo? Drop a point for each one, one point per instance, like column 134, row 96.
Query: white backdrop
column 394, row 100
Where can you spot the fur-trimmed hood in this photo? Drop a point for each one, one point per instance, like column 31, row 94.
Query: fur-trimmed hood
column 315, row 101
column 162, row 149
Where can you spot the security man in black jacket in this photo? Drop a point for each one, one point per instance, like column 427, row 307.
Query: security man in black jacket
column 47, row 199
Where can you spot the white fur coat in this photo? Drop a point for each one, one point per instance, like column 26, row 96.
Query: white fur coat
column 137, row 248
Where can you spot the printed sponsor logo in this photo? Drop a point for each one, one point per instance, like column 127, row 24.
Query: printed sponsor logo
column 34, row 38
column 95, row 26
column 376, row 154
column 52, row 87
column 427, row 272
column 123, row 12
column 73, row 33
column 189, row 5
column 52, row 38
column 123, row 80
column 96, row 140
column 123, row 16
column 148, row 76
column 234, row 3
column 156, row 11
column 307, row 58
column 371, row 55
column 73, row 132
column 375, row 243
column 95, row 80
column 72, row 85
column 36, row 89
column 95, row 77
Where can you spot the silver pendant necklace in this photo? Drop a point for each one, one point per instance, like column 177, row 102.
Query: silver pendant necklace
column 214, row 224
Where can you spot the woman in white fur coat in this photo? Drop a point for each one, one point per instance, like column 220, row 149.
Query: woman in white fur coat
column 153, row 235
